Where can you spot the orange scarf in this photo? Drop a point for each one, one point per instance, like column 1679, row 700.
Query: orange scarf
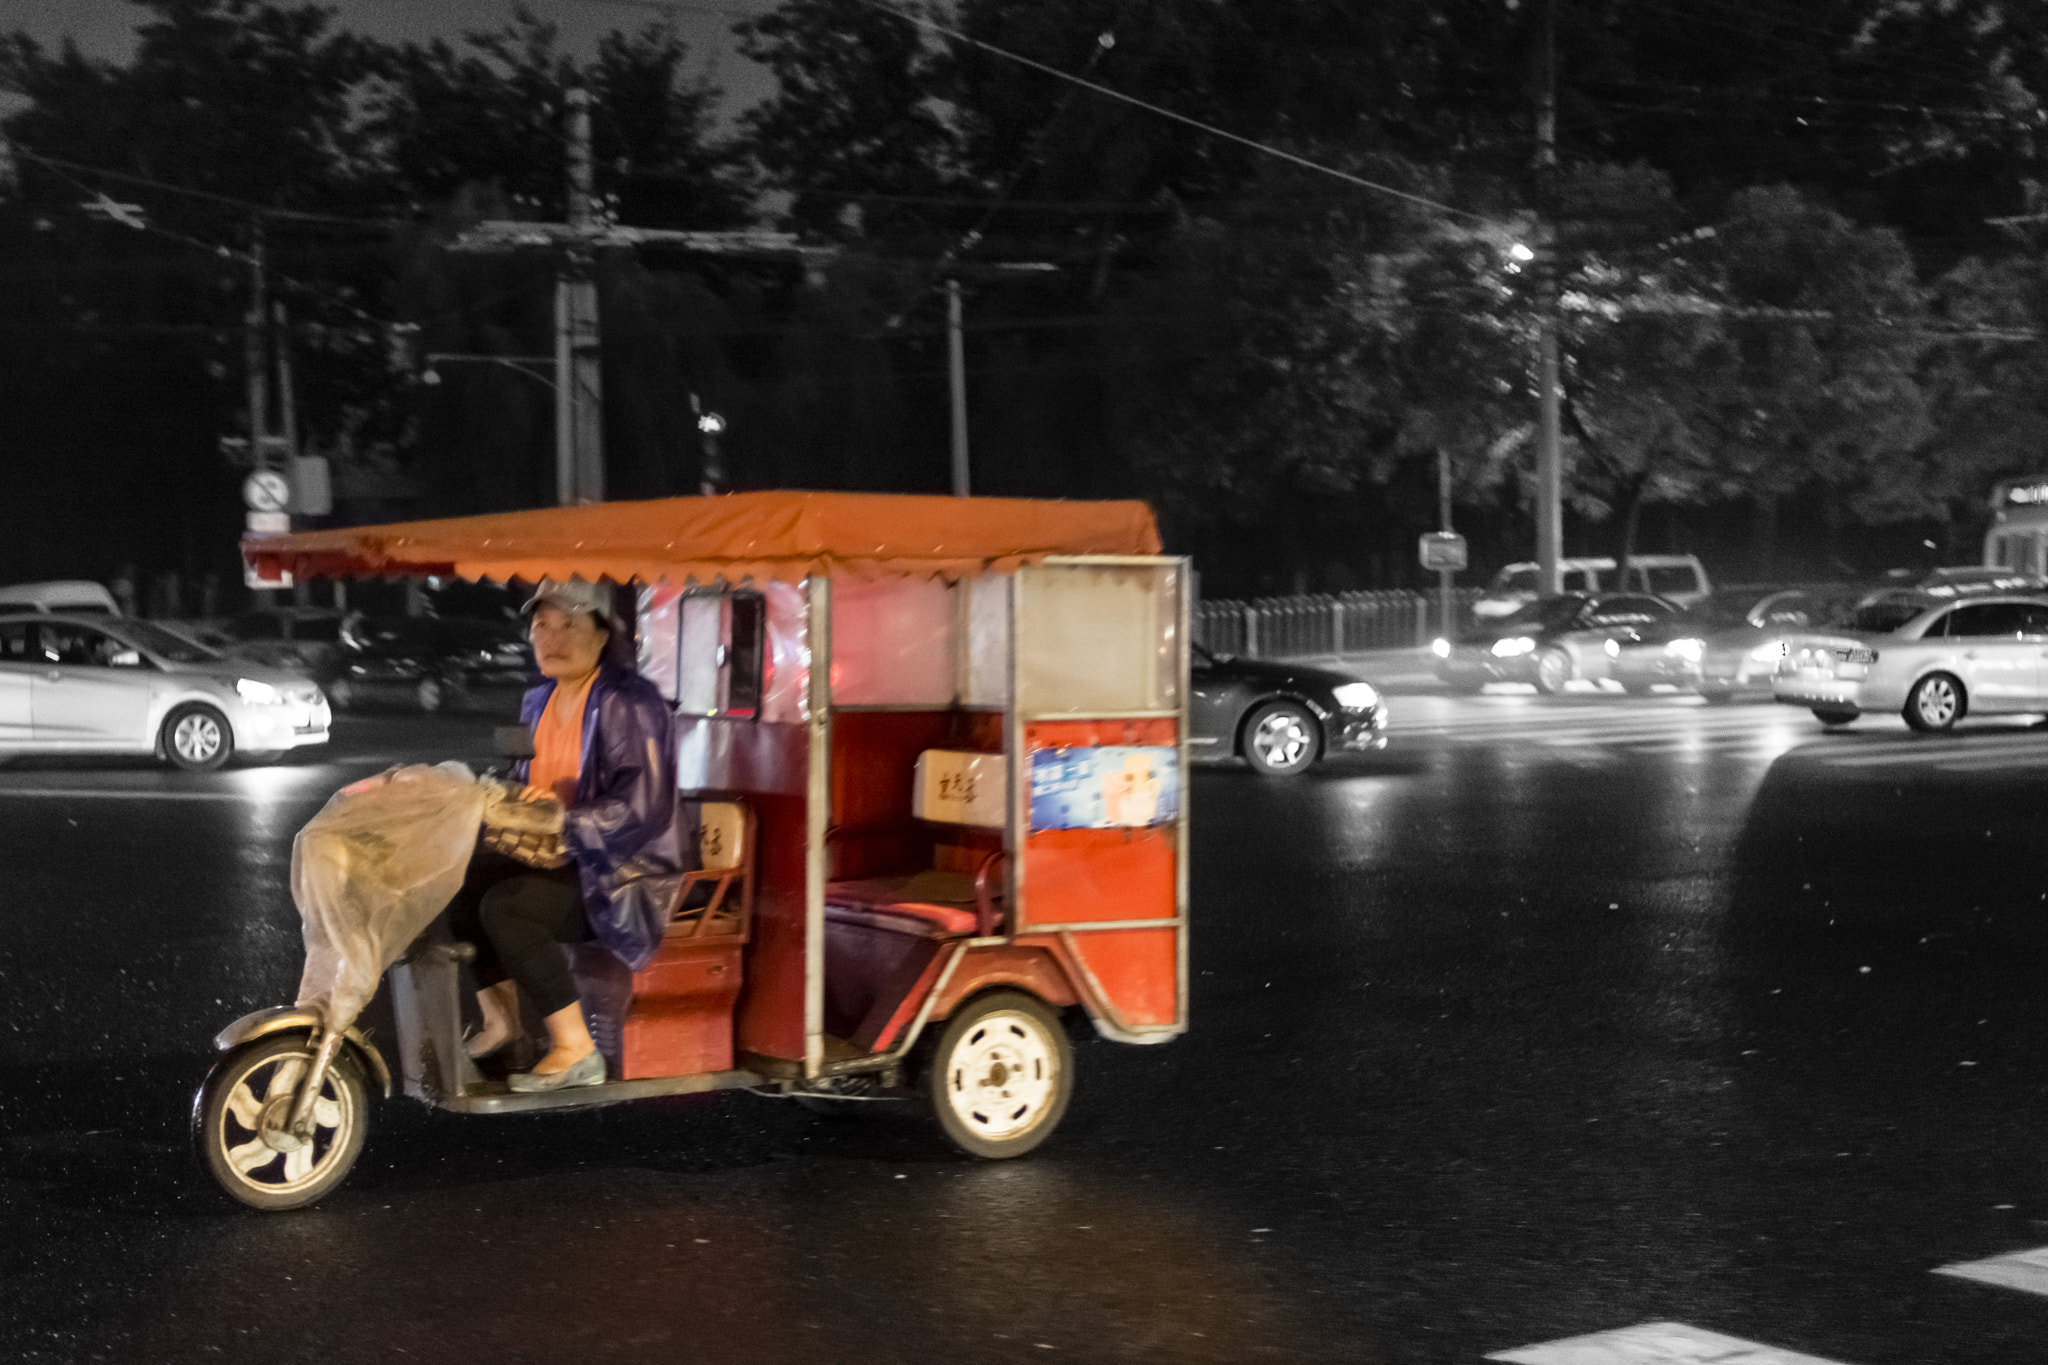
column 558, row 741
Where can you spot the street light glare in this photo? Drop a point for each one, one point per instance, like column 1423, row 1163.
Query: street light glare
column 1521, row 253
column 711, row 424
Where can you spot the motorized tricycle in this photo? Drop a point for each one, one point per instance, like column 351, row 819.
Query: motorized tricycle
column 934, row 753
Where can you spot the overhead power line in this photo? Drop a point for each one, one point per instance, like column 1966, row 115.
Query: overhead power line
column 1109, row 92
column 248, row 206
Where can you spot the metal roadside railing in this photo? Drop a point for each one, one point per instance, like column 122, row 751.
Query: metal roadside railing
column 1329, row 623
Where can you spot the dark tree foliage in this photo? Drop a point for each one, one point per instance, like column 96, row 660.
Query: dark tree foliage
column 1796, row 246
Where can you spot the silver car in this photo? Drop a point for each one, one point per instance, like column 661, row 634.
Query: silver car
column 74, row 684
column 1934, row 661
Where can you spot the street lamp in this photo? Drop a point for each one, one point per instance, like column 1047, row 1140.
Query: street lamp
column 709, row 425
column 522, row 363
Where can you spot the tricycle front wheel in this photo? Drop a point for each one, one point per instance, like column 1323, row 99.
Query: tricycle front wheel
column 240, row 1123
column 1001, row 1075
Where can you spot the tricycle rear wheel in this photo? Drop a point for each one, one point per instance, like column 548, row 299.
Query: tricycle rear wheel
column 1001, row 1075
column 240, row 1116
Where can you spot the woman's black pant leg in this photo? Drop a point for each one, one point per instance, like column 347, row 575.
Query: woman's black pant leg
column 524, row 918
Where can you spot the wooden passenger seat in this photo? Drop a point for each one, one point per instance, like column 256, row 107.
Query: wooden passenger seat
column 680, row 1017
column 960, row 799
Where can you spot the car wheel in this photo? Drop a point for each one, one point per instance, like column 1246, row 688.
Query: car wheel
column 1635, row 689
column 196, row 738
column 341, row 694
column 1829, row 715
column 1717, row 696
column 1001, row 1075
column 1935, row 703
column 240, row 1120
column 1553, row 670
column 1281, row 738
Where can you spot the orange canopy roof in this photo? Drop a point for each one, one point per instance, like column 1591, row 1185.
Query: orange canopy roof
column 779, row 535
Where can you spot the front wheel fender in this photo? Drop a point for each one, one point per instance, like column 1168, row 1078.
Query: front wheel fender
column 291, row 1018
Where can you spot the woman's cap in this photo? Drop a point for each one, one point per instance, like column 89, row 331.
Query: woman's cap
column 574, row 595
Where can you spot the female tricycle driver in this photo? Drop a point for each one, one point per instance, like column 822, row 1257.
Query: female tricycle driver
column 603, row 746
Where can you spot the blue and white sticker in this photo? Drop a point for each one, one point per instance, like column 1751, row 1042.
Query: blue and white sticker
column 1108, row 787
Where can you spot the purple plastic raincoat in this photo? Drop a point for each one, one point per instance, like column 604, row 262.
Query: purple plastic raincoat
column 623, row 828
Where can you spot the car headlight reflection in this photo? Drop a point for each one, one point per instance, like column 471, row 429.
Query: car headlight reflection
column 1513, row 647
column 1689, row 650
column 1440, row 647
column 1767, row 651
column 1356, row 696
column 258, row 693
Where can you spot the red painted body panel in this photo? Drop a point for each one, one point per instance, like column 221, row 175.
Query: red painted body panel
column 1086, row 734
column 681, row 1021
column 769, row 764
column 1033, row 969
column 1089, row 876
column 1137, row 971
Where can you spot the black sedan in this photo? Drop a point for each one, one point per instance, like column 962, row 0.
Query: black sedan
column 1280, row 717
column 432, row 663
column 1550, row 642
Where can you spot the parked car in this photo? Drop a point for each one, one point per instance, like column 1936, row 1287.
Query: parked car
column 1934, row 660
column 1966, row 580
column 1550, row 642
column 1729, row 644
column 429, row 662
column 1676, row 578
column 99, row 684
column 303, row 638
column 1280, row 717
column 67, row 594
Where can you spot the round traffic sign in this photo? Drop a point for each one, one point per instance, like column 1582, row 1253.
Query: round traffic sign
column 266, row 490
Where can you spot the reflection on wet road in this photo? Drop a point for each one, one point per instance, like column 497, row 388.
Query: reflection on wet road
column 1556, row 1019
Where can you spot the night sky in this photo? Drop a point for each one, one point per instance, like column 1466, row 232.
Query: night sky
column 105, row 28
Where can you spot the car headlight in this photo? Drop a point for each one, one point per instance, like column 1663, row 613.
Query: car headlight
column 1767, row 651
column 1513, row 646
column 1440, row 647
column 1356, row 696
column 1613, row 648
column 1688, row 650
column 258, row 693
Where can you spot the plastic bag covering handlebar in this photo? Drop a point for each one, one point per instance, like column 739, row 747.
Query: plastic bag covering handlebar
column 768, row 537
column 373, row 868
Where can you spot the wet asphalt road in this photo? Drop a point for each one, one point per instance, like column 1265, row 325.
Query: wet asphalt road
column 1556, row 1017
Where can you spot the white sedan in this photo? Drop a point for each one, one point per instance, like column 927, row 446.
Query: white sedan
column 1934, row 661
column 70, row 684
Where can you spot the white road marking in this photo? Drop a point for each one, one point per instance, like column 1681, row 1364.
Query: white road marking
column 1752, row 732
column 2026, row 1271
column 1656, row 1343
column 1944, row 755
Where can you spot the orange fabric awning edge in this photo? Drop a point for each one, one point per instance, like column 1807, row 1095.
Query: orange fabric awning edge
column 763, row 536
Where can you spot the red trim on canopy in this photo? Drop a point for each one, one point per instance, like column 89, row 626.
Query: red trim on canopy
column 777, row 535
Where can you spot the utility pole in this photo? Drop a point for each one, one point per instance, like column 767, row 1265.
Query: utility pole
column 1443, row 525
column 1549, row 480
column 256, row 351
column 956, row 369
column 579, row 392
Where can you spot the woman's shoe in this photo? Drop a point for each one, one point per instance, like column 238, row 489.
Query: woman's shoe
column 588, row 1071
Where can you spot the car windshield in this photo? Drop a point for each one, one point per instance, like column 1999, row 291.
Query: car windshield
column 165, row 644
